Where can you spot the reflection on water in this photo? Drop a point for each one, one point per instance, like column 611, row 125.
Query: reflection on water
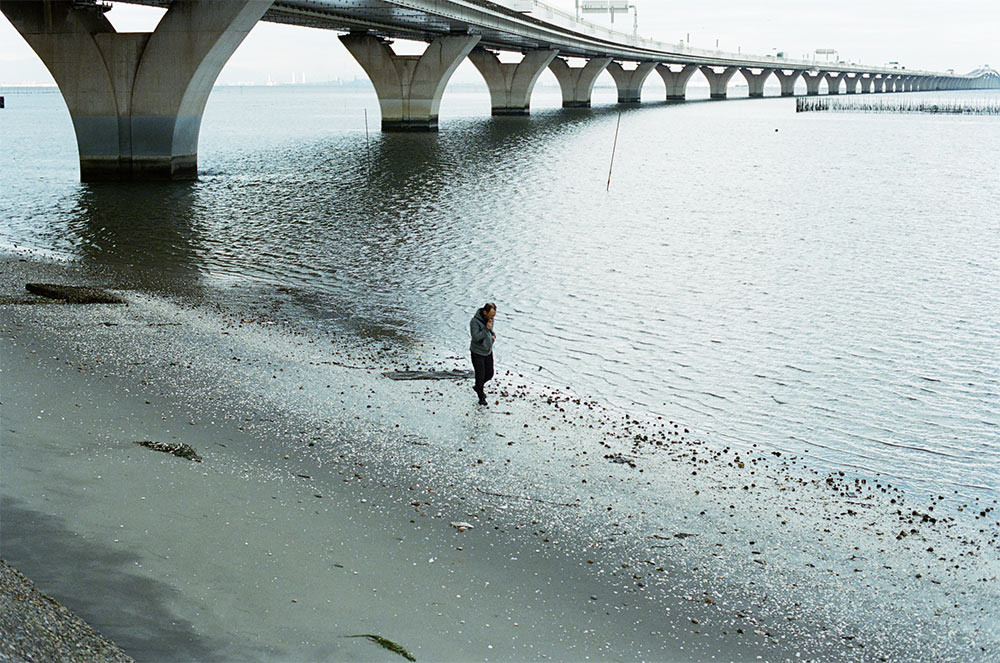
column 819, row 284
column 150, row 234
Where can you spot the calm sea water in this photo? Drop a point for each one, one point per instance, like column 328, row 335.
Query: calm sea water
column 827, row 284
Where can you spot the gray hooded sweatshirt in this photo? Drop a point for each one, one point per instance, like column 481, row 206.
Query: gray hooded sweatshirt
column 482, row 338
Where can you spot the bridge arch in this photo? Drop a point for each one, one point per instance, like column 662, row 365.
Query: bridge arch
column 409, row 87
column 511, row 83
column 577, row 82
column 718, row 79
column 756, row 77
column 675, row 79
column 630, row 77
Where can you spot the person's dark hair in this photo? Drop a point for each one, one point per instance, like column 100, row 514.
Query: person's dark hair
column 489, row 306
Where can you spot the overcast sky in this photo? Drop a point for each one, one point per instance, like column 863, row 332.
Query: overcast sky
column 920, row 34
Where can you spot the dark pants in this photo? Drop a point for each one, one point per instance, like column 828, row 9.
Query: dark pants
column 484, row 370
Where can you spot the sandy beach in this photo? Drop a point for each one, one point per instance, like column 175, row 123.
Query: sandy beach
column 332, row 502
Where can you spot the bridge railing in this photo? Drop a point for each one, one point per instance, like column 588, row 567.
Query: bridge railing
column 568, row 21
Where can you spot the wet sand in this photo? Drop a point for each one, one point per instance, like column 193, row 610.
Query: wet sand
column 330, row 503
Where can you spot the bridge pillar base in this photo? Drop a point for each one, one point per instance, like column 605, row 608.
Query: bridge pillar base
column 136, row 99
column 718, row 82
column 429, row 125
column 511, row 83
column 676, row 81
column 409, row 87
column 511, row 112
column 630, row 82
column 163, row 169
column 577, row 83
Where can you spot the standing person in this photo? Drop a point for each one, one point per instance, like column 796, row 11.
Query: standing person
column 481, row 330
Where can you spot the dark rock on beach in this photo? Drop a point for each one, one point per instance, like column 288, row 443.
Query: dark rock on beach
column 72, row 294
column 178, row 449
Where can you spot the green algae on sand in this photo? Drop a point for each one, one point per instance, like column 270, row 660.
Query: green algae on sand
column 385, row 644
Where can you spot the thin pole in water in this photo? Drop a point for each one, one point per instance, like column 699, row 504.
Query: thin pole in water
column 613, row 150
column 368, row 147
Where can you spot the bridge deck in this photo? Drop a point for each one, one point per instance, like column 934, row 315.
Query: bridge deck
column 503, row 28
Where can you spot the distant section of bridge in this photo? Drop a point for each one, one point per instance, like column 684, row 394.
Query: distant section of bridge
column 137, row 99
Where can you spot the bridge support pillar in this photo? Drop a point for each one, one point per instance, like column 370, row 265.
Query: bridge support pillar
column 577, row 83
column 866, row 83
column 852, row 83
column 676, row 81
column 136, row 99
column 409, row 87
column 788, row 81
column 756, row 81
column 833, row 82
column 630, row 82
column 878, row 84
column 718, row 82
column 812, row 79
column 511, row 83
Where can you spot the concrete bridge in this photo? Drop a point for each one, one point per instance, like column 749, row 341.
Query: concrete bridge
column 136, row 99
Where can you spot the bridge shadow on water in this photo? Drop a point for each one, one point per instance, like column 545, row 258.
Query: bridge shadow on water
column 148, row 235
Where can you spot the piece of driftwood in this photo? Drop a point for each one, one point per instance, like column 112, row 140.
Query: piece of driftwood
column 455, row 374
column 385, row 643
column 72, row 294
column 178, row 449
